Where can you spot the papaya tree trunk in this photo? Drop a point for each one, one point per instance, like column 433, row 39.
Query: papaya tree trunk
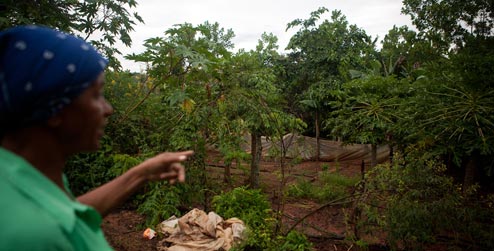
column 470, row 171
column 373, row 155
column 318, row 143
column 281, row 202
column 256, row 151
column 227, row 176
column 391, row 154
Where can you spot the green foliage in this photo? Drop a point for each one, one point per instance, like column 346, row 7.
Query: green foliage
column 330, row 48
column 110, row 19
column 295, row 241
column 159, row 203
column 325, row 167
column 403, row 52
column 254, row 209
column 417, row 205
column 253, row 100
column 135, row 132
column 322, row 52
column 122, row 163
column 453, row 107
column 329, row 186
column 366, row 109
column 251, row 206
column 449, row 22
column 467, row 118
column 86, row 171
column 52, row 13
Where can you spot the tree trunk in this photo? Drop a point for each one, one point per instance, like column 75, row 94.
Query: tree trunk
column 318, row 144
column 227, row 178
column 391, row 154
column 256, row 151
column 373, row 155
column 362, row 170
column 470, row 171
column 281, row 201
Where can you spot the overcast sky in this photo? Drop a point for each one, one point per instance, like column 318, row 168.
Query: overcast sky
column 250, row 18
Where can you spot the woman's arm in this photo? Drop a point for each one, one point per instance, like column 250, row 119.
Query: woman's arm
column 165, row 166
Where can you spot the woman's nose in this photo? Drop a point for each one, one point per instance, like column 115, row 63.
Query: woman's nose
column 108, row 108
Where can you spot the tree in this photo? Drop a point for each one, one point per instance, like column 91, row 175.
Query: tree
column 451, row 22
column 460, row 85
column 251, row 94
column 186, row 68
column 459, row 115
column 366, row 109
column 102, row 22
column 57, row 14
column 403, row 52
column 315, row 100
column 321, row 54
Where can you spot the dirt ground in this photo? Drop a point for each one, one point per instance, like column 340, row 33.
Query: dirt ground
column 325, row 228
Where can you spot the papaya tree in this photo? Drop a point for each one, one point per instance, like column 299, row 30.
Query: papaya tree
column 459, row 116
column 185, row 66
column 366, row 109
column 316, row 99
column 251, row 93
column 322, row 52
column 459, row 86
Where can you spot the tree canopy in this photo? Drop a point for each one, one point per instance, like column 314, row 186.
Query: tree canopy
column 102, row 22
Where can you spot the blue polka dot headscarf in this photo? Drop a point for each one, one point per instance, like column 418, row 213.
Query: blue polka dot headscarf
column 41, row 71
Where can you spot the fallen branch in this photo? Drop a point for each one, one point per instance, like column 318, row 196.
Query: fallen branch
column 335, row 202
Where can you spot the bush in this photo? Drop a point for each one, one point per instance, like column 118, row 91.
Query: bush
column 159, row 203
column 86, row 171
column 254, row 209
column 417, row 205
column 249, row 205
column 295, row 241
column 330, row 186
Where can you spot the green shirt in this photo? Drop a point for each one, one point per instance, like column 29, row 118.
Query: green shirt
column 35, row 214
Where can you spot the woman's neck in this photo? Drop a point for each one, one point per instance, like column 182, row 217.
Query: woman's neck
column 40, row 148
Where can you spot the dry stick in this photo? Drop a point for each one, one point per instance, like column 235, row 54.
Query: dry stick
column 331, row 203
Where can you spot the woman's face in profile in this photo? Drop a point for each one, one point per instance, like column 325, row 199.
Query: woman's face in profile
column 82, row 123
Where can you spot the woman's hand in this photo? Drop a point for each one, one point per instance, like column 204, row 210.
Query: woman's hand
column 165, row 166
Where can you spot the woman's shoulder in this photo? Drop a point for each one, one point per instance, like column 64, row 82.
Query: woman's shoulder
column 27, row 227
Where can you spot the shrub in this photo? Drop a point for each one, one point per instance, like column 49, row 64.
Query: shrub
column 86, row 171
column 249, row 205
column 295, row 241
column 159, row 203
column 329, row 186
column 254, row 209
column 417, row 205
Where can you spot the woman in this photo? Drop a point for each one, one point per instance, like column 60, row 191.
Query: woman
column 51, row 107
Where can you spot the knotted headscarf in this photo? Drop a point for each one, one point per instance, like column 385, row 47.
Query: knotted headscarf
column 41, row 71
